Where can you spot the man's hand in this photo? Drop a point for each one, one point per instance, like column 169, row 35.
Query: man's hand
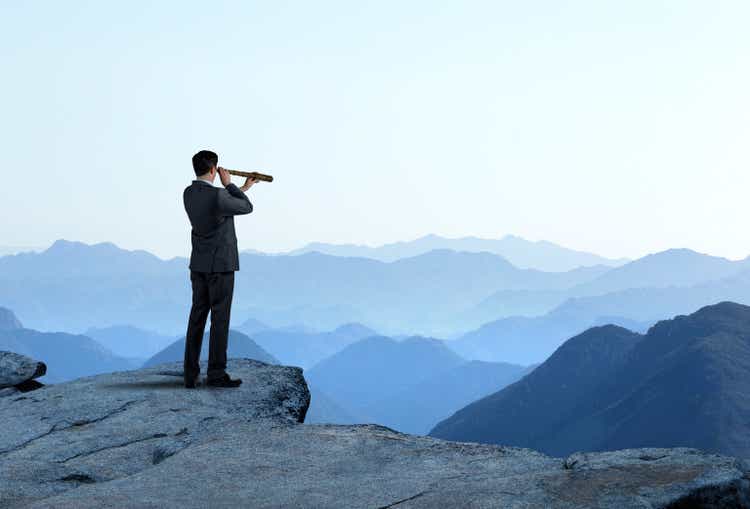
column 224, row 176
column 248, row 184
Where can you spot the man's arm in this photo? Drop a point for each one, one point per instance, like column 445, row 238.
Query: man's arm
column 233, row 202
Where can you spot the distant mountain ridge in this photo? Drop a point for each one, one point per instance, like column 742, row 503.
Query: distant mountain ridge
column 684, row 383
column 440, row 293
column 374, row 367
column 11, row 250
column 524, row 254
column 679, row 275
column 67, row 356
column 418, row 407
column 240, row 346
column 305, row 349
column 408, row 385
column 673, row 267
column 129, row 341
column 528, row 340
column 55, row 290
column 8, row 320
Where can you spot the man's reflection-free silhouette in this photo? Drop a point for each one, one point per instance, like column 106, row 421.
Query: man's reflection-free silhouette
column 213, row 260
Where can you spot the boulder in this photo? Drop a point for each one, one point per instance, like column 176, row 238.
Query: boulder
column 139, row 439
column 15, row 369
column 8, row 391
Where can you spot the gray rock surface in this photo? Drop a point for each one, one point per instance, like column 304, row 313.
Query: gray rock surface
column 16, row 368
column 104, row 427
column 138, row 439
column 8, row 391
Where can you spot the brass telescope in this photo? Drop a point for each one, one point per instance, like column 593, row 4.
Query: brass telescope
column 252, row 174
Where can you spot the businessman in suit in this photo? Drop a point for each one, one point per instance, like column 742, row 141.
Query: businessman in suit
column 213, row 261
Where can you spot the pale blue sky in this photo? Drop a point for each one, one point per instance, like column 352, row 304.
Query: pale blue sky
column 614, row 127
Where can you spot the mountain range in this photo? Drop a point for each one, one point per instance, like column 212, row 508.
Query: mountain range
column 372, row 368
column 8, row 320
column 529, row 340
column 440, row 293
column 55, row 289
column 522, row 253
column 305, row 349
column 129, row 341
column 685, row 383
column 681, row 281
column 239, row 346
column 11, row 250
column 69, row 356
column 408, row 385
column 418, row 407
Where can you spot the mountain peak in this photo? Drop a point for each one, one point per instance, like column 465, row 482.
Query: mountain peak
column 723, row 316
column 62, row 245
column 353, row 328
column 678, row 252
column 430, row 236
column 8, row 320
column 724, row 308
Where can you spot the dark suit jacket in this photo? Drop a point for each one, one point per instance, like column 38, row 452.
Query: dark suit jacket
column 211, row 211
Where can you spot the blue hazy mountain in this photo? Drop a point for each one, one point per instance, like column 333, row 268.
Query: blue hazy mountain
column 73, row 286
column 648, row 304
column 240, row 346
column 58, row 288
column 540, row 255
column 684, row 383
column 324, row 410
column 419, row 293
column 129, row 341
column 11, row 250
column 523, row 339
column 674, row 267
column 305, row 349
column 372, row 368
column 67, row 356
column 8, row 320
column 510, row 303
column 250, row 326
column 528, row 340
column 435, row 292
column 417, row 408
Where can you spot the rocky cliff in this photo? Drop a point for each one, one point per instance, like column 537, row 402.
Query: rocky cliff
column 139, row 439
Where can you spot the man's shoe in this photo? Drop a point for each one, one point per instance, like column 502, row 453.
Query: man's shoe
column 193, row 383
column 224, row 381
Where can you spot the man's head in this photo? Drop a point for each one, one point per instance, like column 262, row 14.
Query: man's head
column 204, row 164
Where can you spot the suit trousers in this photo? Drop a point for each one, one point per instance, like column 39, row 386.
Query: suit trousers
column 212, row 291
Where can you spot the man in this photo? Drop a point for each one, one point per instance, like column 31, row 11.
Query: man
column 213, row 260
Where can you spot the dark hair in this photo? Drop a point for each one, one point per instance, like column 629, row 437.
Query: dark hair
column 203, row 161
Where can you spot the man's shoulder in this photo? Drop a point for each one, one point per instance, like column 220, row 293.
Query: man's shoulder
column 197, row 186
column 223, row 191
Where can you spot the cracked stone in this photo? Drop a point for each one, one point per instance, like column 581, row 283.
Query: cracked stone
column 115, row 441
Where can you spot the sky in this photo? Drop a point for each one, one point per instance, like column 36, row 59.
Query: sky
column 620, row 128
